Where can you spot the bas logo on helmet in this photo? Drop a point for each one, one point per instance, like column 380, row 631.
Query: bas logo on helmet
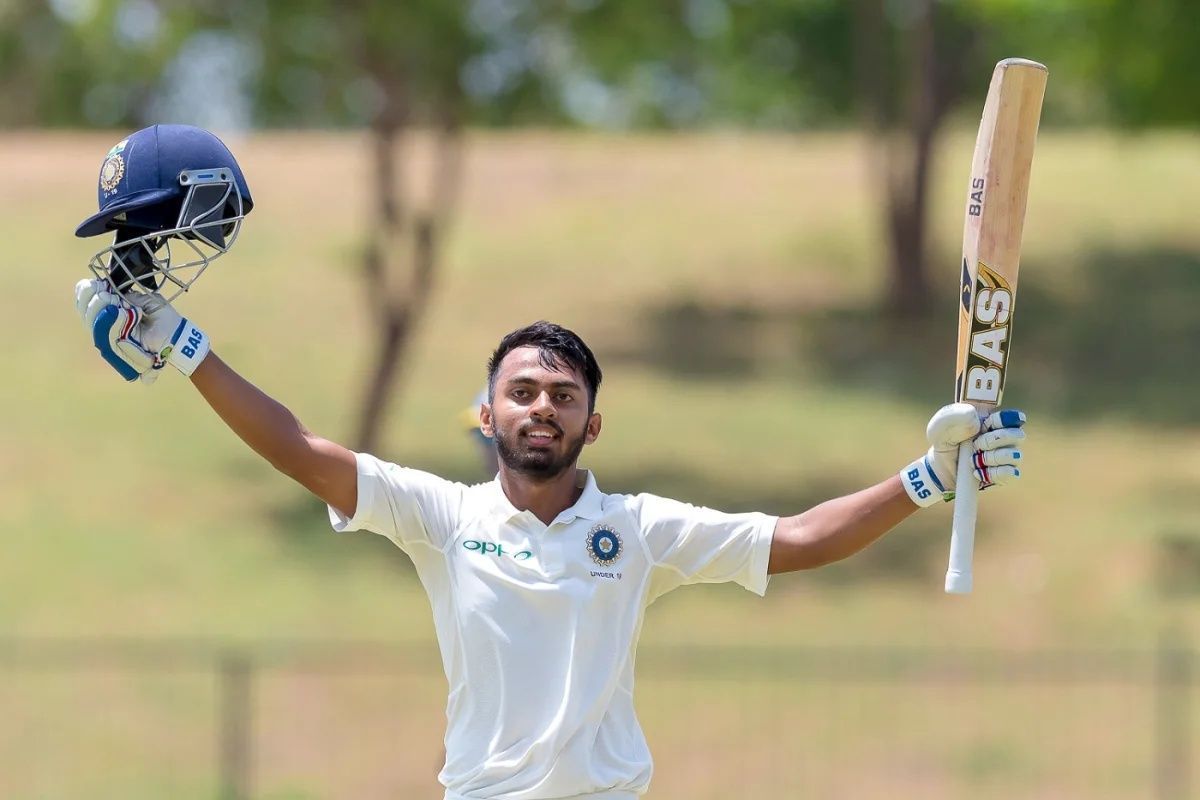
column 603, row 545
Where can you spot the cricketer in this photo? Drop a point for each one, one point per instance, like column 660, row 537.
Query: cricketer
column 538, row 579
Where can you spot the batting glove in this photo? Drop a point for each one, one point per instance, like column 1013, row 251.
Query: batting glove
column 996, row 438
column 138, row 335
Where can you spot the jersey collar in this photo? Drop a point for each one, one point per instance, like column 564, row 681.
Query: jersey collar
column 590, row 504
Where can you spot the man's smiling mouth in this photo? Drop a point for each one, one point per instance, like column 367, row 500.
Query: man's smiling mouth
column 540, row 435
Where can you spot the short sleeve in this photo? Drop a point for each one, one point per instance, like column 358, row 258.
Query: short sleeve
column 706, row 546
column 406, row 505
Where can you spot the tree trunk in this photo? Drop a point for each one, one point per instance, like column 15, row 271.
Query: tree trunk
column 900, row 154
column 400, row 260
column 393, row 337
column 909, row 195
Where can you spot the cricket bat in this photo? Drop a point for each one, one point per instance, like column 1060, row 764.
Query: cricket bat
column 991, row 254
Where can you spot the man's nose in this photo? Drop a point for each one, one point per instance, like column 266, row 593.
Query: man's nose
column 542, row 406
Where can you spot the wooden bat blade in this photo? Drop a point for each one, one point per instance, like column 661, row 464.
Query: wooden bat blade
column 995, row 219
column 994, row 222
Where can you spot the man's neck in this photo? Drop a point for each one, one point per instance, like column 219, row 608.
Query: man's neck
column 545, row 498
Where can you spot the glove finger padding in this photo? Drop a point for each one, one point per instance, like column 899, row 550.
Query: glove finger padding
column 1004, row 418
column 993, row 440
column 149, row 303
column 996, row 453
column 996, row 476
column 999, row 457
column 111, row 326
column 97, row 302
column 85, row 290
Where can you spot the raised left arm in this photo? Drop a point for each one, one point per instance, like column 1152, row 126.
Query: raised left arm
column 838, row 528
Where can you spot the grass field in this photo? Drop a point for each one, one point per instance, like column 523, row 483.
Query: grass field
column 730, row 286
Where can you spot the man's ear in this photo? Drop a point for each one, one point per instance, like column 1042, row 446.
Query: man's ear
column 485, row 421
column 593, row 429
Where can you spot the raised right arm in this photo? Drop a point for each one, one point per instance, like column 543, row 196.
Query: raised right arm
column 325, row 468
column 140, row 334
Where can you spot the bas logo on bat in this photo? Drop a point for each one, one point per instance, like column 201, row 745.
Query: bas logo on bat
column 975, row 207
column 991, row 310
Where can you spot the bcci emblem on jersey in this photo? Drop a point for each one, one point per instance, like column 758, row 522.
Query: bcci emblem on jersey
column 604, row 545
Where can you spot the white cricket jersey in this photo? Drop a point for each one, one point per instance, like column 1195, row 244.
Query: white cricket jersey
column 538, row 624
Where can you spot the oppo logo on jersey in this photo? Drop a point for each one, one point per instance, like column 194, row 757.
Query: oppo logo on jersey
column 494, row 548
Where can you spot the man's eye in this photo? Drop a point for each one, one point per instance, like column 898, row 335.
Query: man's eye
column 563, row 397
column 518, row 394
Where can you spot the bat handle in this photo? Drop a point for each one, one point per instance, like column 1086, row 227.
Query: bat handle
column 962, row 536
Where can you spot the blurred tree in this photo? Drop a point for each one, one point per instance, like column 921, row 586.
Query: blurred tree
column 394, row 66
column 411, row 53
column 1133, row 63
column 903, row 105
column 21, row 22
column 93, row 63
column 915, row 61
column 899, row 68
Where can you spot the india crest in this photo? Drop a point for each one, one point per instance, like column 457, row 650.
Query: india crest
column 603, row 545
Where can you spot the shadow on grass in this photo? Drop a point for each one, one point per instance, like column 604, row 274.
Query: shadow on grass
column 1122, row 344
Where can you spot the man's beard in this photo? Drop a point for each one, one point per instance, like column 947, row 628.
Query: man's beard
column 537, row 463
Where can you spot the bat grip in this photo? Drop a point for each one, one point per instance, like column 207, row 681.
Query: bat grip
column 962, row 535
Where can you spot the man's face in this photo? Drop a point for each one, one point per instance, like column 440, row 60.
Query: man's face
column 538, row 416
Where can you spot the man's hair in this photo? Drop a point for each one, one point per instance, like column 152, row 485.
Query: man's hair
column 557, row 348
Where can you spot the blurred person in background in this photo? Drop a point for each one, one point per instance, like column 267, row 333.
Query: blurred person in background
column 538, row 579
column 484, row 445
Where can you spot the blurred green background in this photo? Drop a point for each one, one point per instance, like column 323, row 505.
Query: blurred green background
column 752, row 211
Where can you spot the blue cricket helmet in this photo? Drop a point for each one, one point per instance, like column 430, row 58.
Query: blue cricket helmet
column 166, row 187
column 139, row 180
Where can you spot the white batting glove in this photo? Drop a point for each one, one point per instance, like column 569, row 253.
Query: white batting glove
column 997, row 440
column 140, row 335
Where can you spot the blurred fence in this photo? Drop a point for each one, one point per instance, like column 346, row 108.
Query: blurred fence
column 138, row 719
